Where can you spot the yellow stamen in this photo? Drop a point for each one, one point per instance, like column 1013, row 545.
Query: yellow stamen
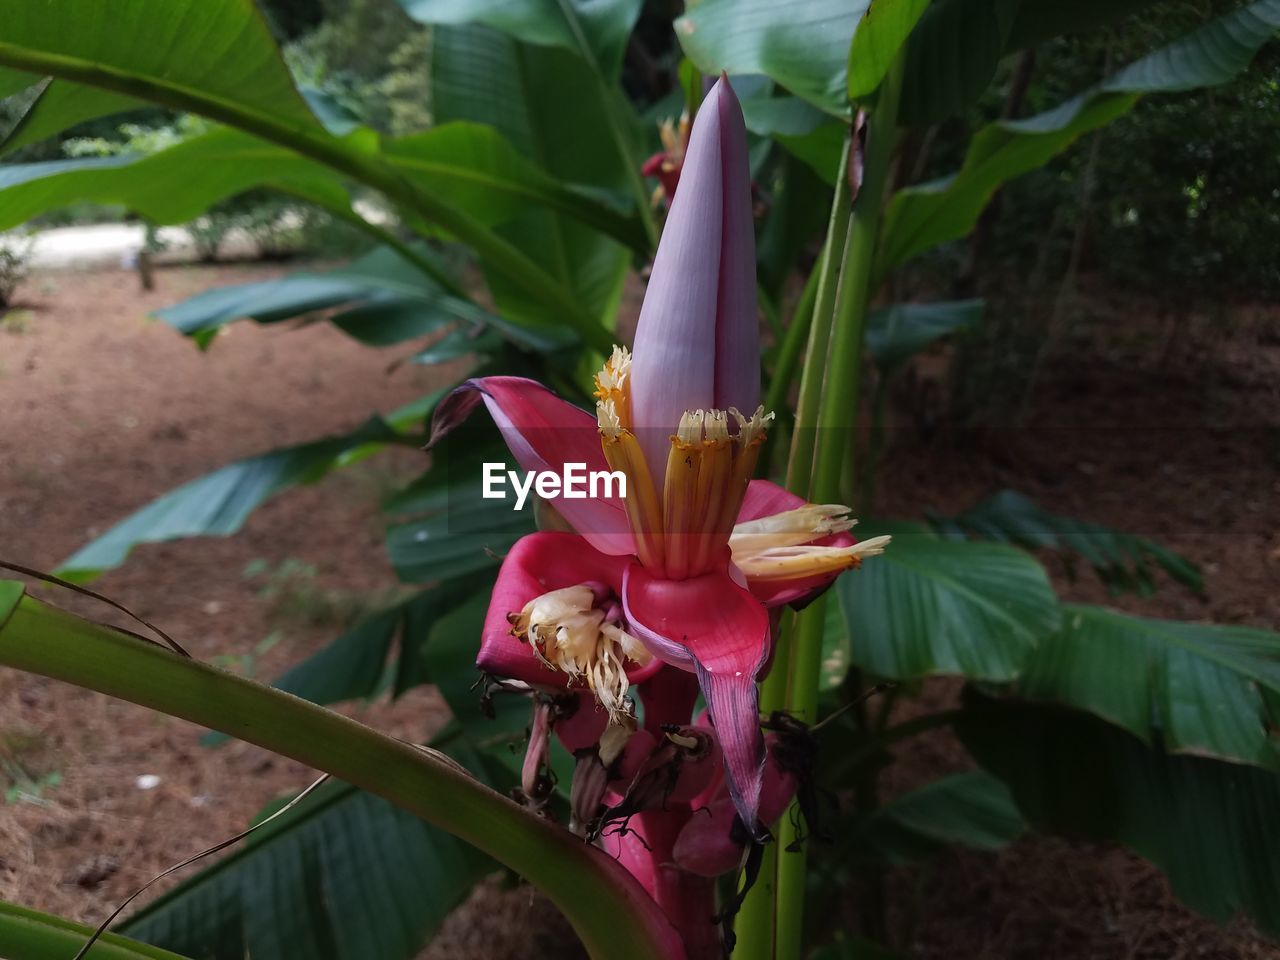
column 644, row 513
column 750, row 439
column 679, row 493
column 713, row 480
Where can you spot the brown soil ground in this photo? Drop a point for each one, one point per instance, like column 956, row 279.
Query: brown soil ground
column 103, row 409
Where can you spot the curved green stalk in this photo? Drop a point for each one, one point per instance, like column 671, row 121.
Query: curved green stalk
column 800, row 466
column 30, row 935
column 368, row 168
column 610, row 911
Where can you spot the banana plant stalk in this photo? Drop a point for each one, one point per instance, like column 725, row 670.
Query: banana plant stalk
column 837, row 433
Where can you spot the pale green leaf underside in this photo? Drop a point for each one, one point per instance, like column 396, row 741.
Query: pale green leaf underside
column 1192, row 687
column 801, row 44
column 221, row 48
column 881, row 32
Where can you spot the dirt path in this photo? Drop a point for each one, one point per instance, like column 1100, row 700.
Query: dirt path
column 101, row 409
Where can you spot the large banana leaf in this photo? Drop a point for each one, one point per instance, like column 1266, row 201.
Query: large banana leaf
column 215, row 58
column 356, row 664
column 1209, row 825
column 596, row 30
column 480, row 169
column 472, row 164
column 219, row 50
column 388, row 300
column 973, row 810
column 344, row 876
column 883, row 30
column 952, row 57
column 803, row 130
column 1186, row 687
column 380, row 279
column 933, row 606
column 160, row 186
column 801, row 44
column 218, row 503
column 925, row 215
column 30, row 935
column 549, row 107
column 1121, row 560
column 898, row 332
column 467, row 534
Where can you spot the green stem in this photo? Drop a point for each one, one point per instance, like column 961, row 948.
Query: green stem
column 31, row 935
column 800, row 466
column 793, row 341
column 335, row 153
column 610, row 911
column 836, row 420
column 838, row 413
column 806, row 654
column 615, row 108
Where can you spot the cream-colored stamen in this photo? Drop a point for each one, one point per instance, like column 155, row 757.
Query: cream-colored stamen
column 807, row 560
column 791, row 527
column 689, row 431
column 608, row 419
column 753, row 427
column 674, row 134
column 622, row 452
column 569, row 633
column 717, row 426
column 613, row 389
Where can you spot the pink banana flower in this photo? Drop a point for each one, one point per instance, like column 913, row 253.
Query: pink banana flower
column 684, row 569
column 665, row 165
